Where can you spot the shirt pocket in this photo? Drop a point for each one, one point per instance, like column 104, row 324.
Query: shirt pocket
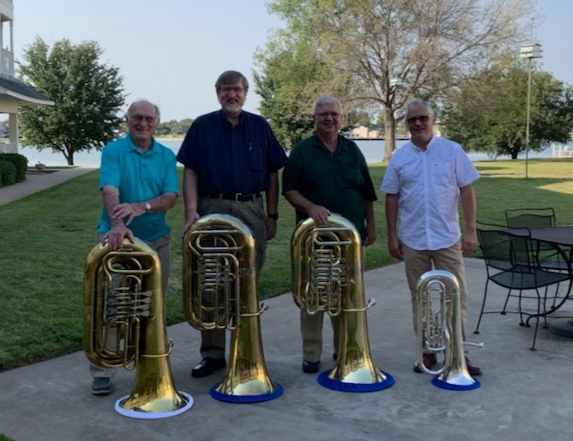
column 257, row 160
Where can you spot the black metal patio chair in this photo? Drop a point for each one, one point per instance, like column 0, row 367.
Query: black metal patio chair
column 511, row 262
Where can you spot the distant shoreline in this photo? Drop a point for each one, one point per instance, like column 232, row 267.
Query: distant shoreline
column 168, row 139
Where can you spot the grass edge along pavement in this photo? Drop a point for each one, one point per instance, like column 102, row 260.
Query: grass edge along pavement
column 42, row 263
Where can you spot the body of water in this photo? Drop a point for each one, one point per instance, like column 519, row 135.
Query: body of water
column 372, row 150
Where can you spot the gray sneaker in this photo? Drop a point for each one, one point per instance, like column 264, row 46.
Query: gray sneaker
column 101, row 386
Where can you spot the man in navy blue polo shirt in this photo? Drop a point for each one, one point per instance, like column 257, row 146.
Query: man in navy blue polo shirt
column 231, row 158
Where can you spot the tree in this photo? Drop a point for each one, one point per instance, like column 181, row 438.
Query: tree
column 292, row 75
column 88, row 96
column 500, row 130
column 394, row 50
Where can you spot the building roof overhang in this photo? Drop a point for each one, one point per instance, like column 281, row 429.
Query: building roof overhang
column 17, row 92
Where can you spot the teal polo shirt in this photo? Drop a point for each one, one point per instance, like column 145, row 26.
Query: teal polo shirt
column 339, row 180
column 139, row 177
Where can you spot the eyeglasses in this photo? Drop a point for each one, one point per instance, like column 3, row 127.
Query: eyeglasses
column 229, row 89
column 327, row 114
column 139, row 118
column 422, row 119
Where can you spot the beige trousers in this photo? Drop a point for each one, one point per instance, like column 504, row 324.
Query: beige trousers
column 448, row 259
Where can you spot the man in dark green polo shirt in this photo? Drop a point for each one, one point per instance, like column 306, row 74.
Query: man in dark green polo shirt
column 325, row 174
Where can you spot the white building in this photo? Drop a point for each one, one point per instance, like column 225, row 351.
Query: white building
column 13, row 93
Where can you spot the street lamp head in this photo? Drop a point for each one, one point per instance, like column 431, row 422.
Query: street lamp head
column 531, row 51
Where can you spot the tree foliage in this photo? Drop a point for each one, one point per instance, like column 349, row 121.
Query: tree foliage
column 174, row 127
column 391, row 51
column 292, row 76
column 88, row 96
column 489, row 112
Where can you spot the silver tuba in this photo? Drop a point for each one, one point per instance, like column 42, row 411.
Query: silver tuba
column 124, row 326
column 327, row 276
column 439, row 330
column 220, row 292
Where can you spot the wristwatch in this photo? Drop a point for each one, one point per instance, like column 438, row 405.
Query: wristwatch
column 274, row 216
column 147, row 207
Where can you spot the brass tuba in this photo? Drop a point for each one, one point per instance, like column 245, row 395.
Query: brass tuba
column 327, row 276
column 124, row 326
column 220, row 292
column 439, row 330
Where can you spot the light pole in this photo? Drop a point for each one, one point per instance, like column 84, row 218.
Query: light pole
column 530, row 51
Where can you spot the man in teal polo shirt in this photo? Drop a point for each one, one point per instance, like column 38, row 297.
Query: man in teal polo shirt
column 138, row 182
column 325, row 174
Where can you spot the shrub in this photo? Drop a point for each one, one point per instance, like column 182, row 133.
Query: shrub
column 20, row 163
column 7, row 173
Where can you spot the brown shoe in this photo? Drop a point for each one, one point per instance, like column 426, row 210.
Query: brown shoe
column 473, row 370
column 429, row 360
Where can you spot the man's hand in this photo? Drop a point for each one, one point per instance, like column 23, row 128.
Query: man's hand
column 191, row 218
column 371, row 234
column 115, row 236
column 395, row 247
column 319, row 214
column 271, row 225
column 469, row 240
column 129, row 210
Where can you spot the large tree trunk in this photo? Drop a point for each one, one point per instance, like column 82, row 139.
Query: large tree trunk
column 390, row 134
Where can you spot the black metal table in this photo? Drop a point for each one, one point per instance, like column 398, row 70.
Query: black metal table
column 563, row 238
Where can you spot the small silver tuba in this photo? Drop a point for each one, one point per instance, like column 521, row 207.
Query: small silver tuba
column 439, row 330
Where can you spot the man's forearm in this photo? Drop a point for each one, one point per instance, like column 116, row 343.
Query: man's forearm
column 273, row 193
column 190, row 195
column 468, row 207
column 392, row 213
column 110, row 196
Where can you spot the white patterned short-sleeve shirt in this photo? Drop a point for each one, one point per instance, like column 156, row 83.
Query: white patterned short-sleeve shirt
column 428, row 183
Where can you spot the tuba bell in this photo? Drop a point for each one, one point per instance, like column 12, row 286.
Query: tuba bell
column 327, row 276
column 220, row 292
column 439, row 330
column 124, row 326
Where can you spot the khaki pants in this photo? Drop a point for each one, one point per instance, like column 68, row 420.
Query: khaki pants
column 448, row 259
column 162, row 247
column 253, row 214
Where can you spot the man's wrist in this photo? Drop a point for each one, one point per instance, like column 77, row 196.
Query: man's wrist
column 274, row 216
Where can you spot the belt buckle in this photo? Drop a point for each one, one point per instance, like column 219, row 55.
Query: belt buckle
column 237, row 197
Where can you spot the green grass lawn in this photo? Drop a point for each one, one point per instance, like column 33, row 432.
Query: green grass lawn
column 46, row 237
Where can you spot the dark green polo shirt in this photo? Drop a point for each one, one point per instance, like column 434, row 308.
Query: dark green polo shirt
column 339, row 180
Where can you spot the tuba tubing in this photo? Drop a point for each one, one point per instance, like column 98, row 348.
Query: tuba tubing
column 327, row 276
column 440, row 331
column 220, row 292
column 124, row 326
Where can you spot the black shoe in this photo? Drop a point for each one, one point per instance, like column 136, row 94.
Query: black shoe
column 207, row 366
column 474, row 371
column 429, row 360
column 310, row 367
column 101, row 386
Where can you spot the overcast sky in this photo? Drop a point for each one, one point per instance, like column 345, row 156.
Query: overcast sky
column 172, row 51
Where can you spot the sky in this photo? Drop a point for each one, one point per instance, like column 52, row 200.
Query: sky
column 172, row 51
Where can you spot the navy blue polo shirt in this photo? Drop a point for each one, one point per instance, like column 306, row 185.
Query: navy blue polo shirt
column 231, row 159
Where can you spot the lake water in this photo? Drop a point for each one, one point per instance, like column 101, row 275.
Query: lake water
column 372, row 150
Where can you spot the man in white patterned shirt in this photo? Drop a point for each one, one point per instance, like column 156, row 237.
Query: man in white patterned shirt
column 423, row 182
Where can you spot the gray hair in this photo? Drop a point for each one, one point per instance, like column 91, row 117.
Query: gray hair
column 418, row 102
column 157, row 112
column 231, row 76
column 323, row 100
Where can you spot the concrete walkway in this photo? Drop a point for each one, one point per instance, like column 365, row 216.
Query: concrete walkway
column 524, row 395
column 39, row 180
